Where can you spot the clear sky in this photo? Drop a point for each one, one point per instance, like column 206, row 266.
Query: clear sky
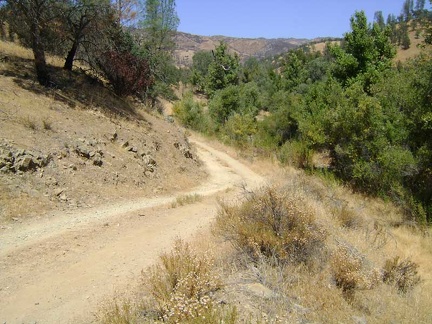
column 276, row 18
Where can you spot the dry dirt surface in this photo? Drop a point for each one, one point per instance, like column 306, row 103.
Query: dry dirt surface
column 58, row 269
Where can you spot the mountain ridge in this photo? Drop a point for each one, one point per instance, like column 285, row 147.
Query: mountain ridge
column 188, row 44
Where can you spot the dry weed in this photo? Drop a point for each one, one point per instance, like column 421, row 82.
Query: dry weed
column 271, row 224
column 28, row 123
column 182, row 285
column 186, row 200
column 47, row 124
column 350, row 272
column 118, row 311
column 347, row 217
column 401, row 273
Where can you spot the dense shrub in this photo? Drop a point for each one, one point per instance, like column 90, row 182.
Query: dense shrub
column 224, row 103
column 128, row 74
column 190, row 113
column 181, row 286
column 239, row 130
column 297, row 154
column 401, row 273
column 350, row 272
column 273, row 225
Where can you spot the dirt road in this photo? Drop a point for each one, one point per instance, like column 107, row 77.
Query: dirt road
column 58, row 269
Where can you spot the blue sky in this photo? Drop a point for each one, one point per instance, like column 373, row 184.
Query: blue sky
column 276, row 18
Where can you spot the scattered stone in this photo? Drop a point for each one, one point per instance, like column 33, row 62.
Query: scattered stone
column 25, row 163
column 58, row 191
column 184, row 149
column 97, row 161
column 125, row 144
column 149, row 174
column 63, row 197
column 114, row 137
column 133, row 149
column 82, row 151
column 63, row 153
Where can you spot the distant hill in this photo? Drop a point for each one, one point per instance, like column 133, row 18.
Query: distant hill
column 188, row 45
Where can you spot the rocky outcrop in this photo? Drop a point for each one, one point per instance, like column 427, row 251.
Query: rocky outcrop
column 184, row 149
column 14, row 160
column 89, row 151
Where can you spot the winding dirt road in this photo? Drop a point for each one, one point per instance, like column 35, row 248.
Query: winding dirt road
column 58, row 269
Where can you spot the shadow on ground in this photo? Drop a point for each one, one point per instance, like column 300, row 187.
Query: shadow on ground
column 74, row 88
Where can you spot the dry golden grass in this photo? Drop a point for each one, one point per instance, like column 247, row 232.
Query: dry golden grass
column 343, row 284
column 347, row 283
column 13, row 49
column 186, row 200
column 180, row 289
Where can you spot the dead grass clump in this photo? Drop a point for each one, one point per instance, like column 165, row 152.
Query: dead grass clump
column 118, row 311
column 401, row 273
column 350, row 273
column 272, row 224
column 29, row 123
column 347, row 217
column 186, row 200
column 182, row 286
column 47, row 124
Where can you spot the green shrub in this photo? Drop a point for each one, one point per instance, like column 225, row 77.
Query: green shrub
column 297, row 154
column 224, row 103
column 190, row 113
column 239, row 130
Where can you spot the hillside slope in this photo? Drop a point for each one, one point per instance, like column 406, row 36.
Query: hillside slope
column 77, row 145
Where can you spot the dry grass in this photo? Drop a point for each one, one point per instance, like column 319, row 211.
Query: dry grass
column 347, row 282
column 186, row 200
column 402, row 274
column 180, row 290
column 273, row 225
column 29, row 123
column 13, row 49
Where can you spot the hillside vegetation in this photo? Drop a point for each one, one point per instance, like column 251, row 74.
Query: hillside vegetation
column 356, row 109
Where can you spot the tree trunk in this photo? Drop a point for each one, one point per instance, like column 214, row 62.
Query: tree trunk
column 42, row 72
column 70, row 57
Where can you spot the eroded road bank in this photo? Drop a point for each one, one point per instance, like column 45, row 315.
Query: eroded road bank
column 59, row 269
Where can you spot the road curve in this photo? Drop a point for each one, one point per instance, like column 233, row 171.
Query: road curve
column 57, row 270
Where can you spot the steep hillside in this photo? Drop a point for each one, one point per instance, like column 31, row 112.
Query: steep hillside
column 77, row 145
column 188, row 45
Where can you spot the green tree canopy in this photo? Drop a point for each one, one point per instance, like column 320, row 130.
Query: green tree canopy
column 365, row 52
column 223, row 70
